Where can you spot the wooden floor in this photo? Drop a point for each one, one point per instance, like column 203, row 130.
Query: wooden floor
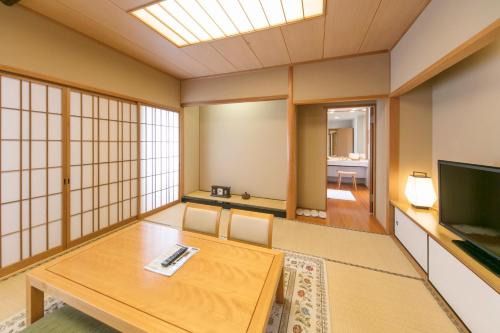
column 354, row 215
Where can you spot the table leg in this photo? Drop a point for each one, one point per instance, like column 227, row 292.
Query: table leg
column 280, row 293
column 34, row 303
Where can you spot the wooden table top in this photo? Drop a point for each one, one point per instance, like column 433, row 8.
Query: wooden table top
column 226, row 287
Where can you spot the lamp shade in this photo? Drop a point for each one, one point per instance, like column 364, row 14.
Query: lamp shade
column 419, row 190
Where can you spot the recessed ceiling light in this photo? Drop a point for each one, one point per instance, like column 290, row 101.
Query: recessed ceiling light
column 188, row 22
column 336, row 117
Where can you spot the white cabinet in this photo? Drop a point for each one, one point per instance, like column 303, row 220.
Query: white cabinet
column 412, row 237
column 477, row 304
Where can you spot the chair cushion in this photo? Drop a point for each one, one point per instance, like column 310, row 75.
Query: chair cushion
column 67, row 319
column 250, row 229
column 201, row 220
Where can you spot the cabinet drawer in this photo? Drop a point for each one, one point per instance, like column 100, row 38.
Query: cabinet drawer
column 476, row 303
column 412, row 237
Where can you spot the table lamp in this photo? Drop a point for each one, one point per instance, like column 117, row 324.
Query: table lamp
column 419, row 190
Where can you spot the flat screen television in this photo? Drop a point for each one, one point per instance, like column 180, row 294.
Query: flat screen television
column 469, row 205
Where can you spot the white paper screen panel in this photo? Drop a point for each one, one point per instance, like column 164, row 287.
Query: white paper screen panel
column 103, row 162
column 159, row 157
column 31, row 182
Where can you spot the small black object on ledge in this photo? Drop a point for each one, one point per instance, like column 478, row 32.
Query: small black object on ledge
column 221, row 191
column 245, row 196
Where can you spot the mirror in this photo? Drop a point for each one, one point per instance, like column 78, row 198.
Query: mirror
column 347, row 133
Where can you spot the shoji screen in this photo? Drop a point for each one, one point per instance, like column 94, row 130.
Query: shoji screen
column 103, row 163
column 31, row 187
column 159, row 157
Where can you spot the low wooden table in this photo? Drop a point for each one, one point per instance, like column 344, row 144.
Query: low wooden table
column 226, row 287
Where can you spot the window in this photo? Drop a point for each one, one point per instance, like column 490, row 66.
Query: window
column 159, row 157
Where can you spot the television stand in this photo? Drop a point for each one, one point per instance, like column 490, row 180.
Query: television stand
column 481, row 256
column 465, row 283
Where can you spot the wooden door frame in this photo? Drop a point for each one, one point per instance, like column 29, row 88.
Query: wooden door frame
column 372, row 145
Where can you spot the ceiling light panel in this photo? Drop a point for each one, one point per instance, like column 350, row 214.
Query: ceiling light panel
column 312, row 8
column 168, row 20
column 274, row 12
column 187, row 22
column 237, row 15
column 293, row 9
column 219, row 16
column 201, row 17
column 255, row 13
column 174, row 9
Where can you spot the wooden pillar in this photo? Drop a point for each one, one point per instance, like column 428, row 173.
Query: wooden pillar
column 181, row 149
column 291, row 140
column 393, row 170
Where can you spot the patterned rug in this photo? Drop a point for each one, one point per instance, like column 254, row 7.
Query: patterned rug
column 306, row 307
column 305, row 310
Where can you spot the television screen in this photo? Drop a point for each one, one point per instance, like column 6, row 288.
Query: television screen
column 469, row 203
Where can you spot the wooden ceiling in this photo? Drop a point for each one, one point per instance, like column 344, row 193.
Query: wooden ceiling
column 349, row 27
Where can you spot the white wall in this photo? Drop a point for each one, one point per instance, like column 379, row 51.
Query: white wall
column 441, row 27
column 32, row 42
column 243, row 145
column 345, row 123
column 415, row 134
column 259, row 83
column 466, row 111
column 339, row 78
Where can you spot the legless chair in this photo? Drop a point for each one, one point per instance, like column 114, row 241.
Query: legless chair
column 251, row 227
column 200, row 218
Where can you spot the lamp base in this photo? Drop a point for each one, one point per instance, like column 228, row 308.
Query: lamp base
column 420, row 207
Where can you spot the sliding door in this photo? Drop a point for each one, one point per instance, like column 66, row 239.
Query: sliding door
column 31, row 190
column 69, row 166
column 159, row 158
column 103, row 163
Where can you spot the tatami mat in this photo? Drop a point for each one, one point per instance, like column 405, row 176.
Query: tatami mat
column 347, row 246
column 12, row 295
column 362, row 300
column 353, row 247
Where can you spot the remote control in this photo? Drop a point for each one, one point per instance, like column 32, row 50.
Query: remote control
column 174, row 256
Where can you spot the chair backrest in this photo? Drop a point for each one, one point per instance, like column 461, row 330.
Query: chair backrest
column 200, row 218
column 251, row 227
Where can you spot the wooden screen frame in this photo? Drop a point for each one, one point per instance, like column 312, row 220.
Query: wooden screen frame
column 180, row 113
column 30, row 259
column 65, row 87
column 96, row 117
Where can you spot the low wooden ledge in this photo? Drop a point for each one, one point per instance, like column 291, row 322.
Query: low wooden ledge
column 428, row 221
column 271, row 206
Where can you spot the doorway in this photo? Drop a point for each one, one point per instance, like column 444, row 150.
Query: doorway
column 350, row 165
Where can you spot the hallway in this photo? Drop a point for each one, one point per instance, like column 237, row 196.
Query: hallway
column 348, row 214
